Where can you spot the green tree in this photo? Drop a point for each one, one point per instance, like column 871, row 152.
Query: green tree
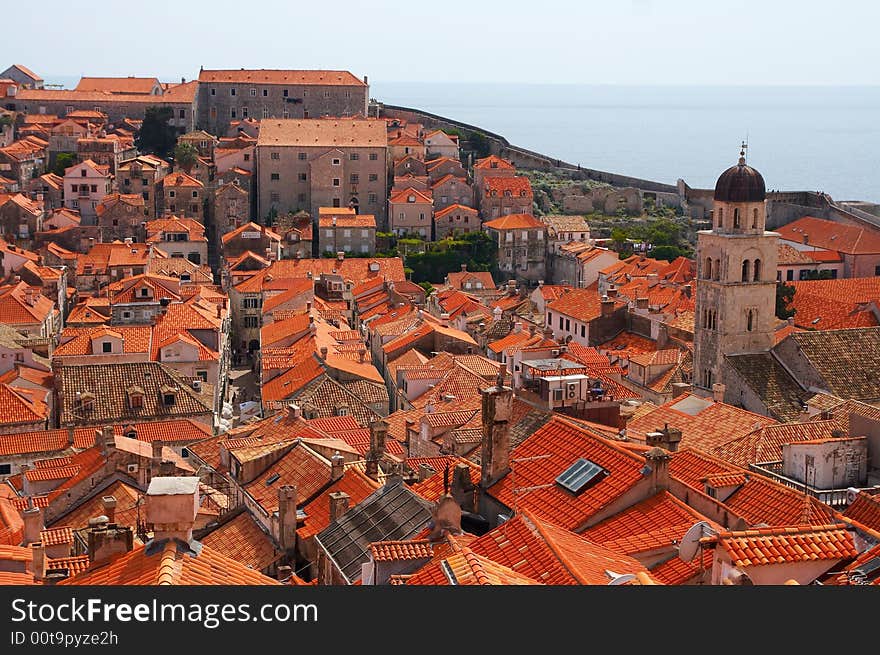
column 428, row 287
column 185, row 156
column 669, row 253
column 479, row 143
column 784, row 296
column 618, row 238
column 63, row 161
column 663, row 232
column 157, row 135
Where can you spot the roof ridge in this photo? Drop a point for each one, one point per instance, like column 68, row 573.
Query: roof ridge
column 548, row 540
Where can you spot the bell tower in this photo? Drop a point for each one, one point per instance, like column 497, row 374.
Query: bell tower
column 736, row 270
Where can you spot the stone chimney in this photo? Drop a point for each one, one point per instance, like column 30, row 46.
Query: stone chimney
column 109, row 504
column 679, row 388
column 338, row 504
column 463, row 487
column 156, row 458
column 33, row 523
column 25, row 483
column 293, row 411
column 607, row 306
column 362, row 355
column 287, row 515
column 718, row 390
column 324, row 353
column 71, row 435
column 283, row 573
column 378, row 435
column 667, row 438
column 612, row 291
column 653, row 278
column 172, row 506
column 517, row 327
column 444, row 319
column 38, row 550
column 107, row 539
column 497, row 405
column 641, row 303
column 337, row 466
column 464, row 268
column 425, row 471
column 686, row 289
column 372, row 466
column 657, row 460
column 340, row 255
column 108, row 443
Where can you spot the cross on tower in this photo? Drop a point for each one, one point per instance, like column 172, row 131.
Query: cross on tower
column 742, row 152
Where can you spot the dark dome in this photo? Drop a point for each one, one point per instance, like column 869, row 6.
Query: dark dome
column 740, row 183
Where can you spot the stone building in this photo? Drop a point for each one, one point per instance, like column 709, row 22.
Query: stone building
column 179, row 237
column 226, row 95
column 307, row 164
column 344, row 231
column 500, row 196
column 492, row 166
column 455, row 219
column 410, row 212
column 120, row 216
column 231, row 207
column 183, row 195
column 736, row 264
column 23, row 76
column 521, row 246
column 451, row 190
column 142, row 175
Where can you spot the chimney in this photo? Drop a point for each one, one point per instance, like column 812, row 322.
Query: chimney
column 340, row 255
column 109, row 503
column 362, row 355
column 33, row 523
column 517, row 327
column 718, row 390
column 293, row 411
column 108, row 444
column 667, row 438
column 687, row 290
column 497, row 404
column 156, row 457
column 532, row 329
column 338, row 504
column 287, row 515
column 806, row 239
column 464, row 268
column 106, row 540
column 283, row 573
column 653, row 278
column 365, row 80
column 612, row 291
column 372, row 466
column 337, row 466
column 607, row 306
column 172, row 506
column 463, row 487
column 425, row 472
column 679, row 388
column 657, row 466
column 378, row 435
column 71, row 435
column 324, row 352
column 444, row 319
column 38, row 550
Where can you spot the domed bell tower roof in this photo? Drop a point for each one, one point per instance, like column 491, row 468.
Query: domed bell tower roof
column 740, row 183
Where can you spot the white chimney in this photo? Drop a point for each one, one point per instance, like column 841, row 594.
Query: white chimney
column 172, row 506
column 718, row 390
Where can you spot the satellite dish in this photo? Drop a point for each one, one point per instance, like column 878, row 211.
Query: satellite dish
column 689, row 543
column 618, row 578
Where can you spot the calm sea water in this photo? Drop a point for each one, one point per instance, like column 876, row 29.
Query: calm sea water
column 800, row 138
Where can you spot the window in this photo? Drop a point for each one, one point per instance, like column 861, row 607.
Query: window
column 73, row 187
column 285, row 93
column 549, row 318
column 365, row 233
column 567, row 325
column 789, row 275
column 557, row 394
column 250, row 303
column 274, row 196
column 583, row 331
column 126, row 181
column 750, row 320
column 329, row 233
column 107, row 347
column 373, row 156
column 354, row 178
column 707, row 272
column 213, row 92
column 265, row 93
column 354, row 156
column 232, row 113
column 757, row 272
column 202, row 375
column 736, row 217
column 232, row 91
column 525, row 235
column 274, row 155
column 251, row 322
column 373, row 177
column 373, row 199
column 754, row 218
column 561, row 322
column 720, row 216
column 335, row 161
column 335, row 181
column 745, row 270
column 182, row 113
column 421, row 216
column 82, row 172
column 171, row 194
column 5, row 469
column 247, row 156
column 195, row 194
column 136, row 400
column 265, row 112
column 253, row 93
column 275, row 176
column 168, row 399
column 302, row 156
column 336, row 202
column 144, row 181
column 303, row 177
column 194, row 209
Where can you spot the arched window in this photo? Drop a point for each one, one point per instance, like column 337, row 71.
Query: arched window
column 750, row 321
column 757, row 276
column 714, row 320
column 707, row 274
column 755, row 218
column 736, row 218
column 716, row 270
column 720, row 216
column 745, row 271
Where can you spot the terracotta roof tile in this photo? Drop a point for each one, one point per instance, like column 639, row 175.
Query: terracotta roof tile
column 243, row 540
column 581, row 304
column 783, row 545
column 850, row 239
column 514, row 222
column 468, row 568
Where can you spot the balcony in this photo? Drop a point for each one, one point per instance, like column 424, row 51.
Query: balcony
column 836, row 498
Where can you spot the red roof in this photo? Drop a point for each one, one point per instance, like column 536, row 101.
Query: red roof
column 301, row 466
column 493, row 161
column 850, row 239
column 243, row 540
column 566, row 443
column 836, row 304
column 581, row 304
column 784, row 545
column 354, row 483
column 515, row 222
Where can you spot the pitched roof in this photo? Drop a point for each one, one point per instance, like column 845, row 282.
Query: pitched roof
column 275, row 76
column 243, row 539
column 772, row 383
column 566, row 443
column 452, row 209
column 323, row 132
column 170, row 562
column 842, row 237
column 765, row 444
column 16, row 407
column 786, row 544
column 846, row 360
column 392, row 512
column 467, row 568
column 515, row 222
column 118, row 84
column 21, row 304
column 180, row 179
column 317, row 511
column 403, row 195
column 300, row 466
column 836, row 304
column 550, row 554
column 581, row 304
column 865, row 511
column 493, row 161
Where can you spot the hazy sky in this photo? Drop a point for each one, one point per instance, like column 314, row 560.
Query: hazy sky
column 574, row 41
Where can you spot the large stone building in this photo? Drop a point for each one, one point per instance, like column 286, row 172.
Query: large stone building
column 142, row 175
column 85, row 185
column 226, row 95
column 120, row 216
column 344, row 231
column 521, row 242
column 307, row 164
column 736, row 260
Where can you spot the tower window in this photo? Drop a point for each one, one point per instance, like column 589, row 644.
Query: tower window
column 736, row 218
column 717, row 270
column 720, row 216
column 755, row 219
column 757, row 276
column 750, row 321
column 707, row 274
column 745, row 270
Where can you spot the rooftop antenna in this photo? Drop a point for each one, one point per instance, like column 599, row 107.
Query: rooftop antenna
column 523, row 490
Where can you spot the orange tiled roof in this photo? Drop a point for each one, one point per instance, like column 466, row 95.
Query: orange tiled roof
column 270, row 76
column 518, row 186
column 786, row 544
column 581, row 304
column 402, row 196
column 467, row 568
column 57, row 536
column 567, row 442
column 493, row 161
column 850, row 239
column 865, row 511
column 323, row 132
column 550, row 554
column 357, row 485
column 243, row 540
column 388, row 551
column 836, row 304
column 515, row 222
column 301, row 466
column 180, row 179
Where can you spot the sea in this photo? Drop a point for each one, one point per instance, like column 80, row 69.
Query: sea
column 801, row 138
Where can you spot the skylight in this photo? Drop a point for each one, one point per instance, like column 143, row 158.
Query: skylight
column 577, row 476
column 272, row 478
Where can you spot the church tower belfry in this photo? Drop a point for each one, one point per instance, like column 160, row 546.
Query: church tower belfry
column 736, row 271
